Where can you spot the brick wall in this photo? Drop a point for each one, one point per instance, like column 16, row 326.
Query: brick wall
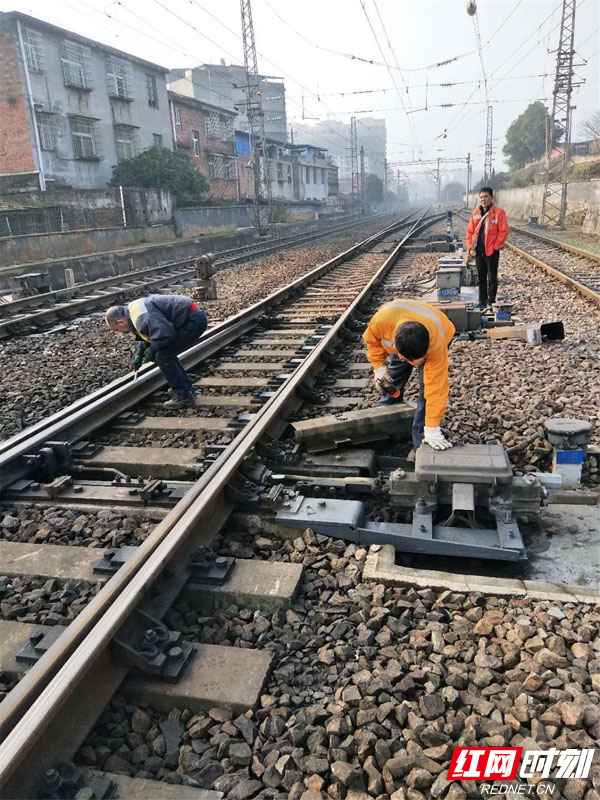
column 193, row 121
column 16, row 147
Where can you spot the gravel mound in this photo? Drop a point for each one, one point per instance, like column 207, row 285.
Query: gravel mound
column 43, row 373
column 65, row 526
column 372, row 688
column 43, row 601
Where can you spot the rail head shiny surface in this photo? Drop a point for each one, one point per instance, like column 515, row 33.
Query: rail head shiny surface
column 121, row 594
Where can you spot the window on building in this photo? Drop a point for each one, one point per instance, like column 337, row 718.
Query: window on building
column 226, row 125
column 307, row 174
column 118, row 78
column 151, row 90
column 125, row 141
column 75, row 60
column 227, row 164
column 212, row 125
column 212, row 166
column 177, row 117
column 85, row 137
column 289, row 173
column 322, row 171
column 279, row 171
column 157, row 140
column 46, row 124
column 196, row 143
column 314, row 174
column 33, row 42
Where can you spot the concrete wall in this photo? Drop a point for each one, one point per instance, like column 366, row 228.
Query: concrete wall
column 102, row 265
column 583, row 203
column 25, row 249
column 142, row 206
column 190, row 221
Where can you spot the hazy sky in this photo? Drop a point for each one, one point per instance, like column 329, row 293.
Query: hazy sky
column 516, row 37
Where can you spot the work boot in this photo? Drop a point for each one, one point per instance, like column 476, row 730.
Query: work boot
column 180, row 402
column 173, row 394
column 412, row 456
column 388, row 400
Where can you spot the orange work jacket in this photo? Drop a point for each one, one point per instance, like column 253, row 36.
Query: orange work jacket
column 379, row 337
column 496, row 229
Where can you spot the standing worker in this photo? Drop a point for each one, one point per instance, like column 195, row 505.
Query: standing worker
column 486, row 234
column 407, row 334
column 164, row 325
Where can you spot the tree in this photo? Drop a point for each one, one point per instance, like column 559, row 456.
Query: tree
column 373, row 188
column 590, row 128
column 526, row 137
column 452, row 192
column 159, row 168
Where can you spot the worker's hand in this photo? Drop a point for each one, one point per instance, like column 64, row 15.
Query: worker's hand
column 383, row 382
column 435, row 439
column 472, row 252
column 149, row 356
column 137, row 361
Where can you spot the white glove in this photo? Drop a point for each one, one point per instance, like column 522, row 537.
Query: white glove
column 435, row 439
column 383, row 382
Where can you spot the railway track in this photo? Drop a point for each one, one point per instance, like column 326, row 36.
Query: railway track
column 276, row 350
column 570, row 265
column 30, row 314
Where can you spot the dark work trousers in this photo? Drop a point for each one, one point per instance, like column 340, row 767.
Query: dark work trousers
column 487, row 271
column 166, row 357
column 399, row 372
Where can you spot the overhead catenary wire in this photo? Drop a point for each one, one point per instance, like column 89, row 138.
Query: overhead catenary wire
column 379, row 47
column 265, row 58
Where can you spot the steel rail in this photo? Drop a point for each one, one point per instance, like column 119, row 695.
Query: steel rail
column 228, row 258
column 588, row 292
column 95, row 626
column 84, row 415
column 557, row 273
column 578, row 251
column 65, row 421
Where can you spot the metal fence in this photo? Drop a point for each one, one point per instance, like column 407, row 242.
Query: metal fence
column 20, row 222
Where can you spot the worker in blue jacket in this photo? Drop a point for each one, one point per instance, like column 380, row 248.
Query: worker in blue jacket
column 165, row 325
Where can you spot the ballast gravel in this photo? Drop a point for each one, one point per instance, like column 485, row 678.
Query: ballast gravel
column 42, row 373
column 372, row 688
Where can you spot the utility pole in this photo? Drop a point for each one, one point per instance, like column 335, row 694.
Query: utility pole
column 489, row 147
column 438, row 180
column 354, row 163
column 554, row 204
column 398, row 184
column 264, row 217
column 362, row 175
column 385, row 207
column 468, row 178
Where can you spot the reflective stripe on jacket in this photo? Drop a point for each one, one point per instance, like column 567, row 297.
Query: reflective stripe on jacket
column 158, row 318
column 496, row 229
column 379, row 337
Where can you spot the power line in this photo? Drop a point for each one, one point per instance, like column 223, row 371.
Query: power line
column 370, row 61
column 415, row 136
column 445, row 85
column 410, row 125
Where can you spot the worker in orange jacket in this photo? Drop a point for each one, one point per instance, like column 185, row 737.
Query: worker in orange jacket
column 409, row 333
column 486, row 234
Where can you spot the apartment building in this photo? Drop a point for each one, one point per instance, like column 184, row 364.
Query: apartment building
column 311, row 172
column 205, row 132
column 226, row 86
column 72, row 108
